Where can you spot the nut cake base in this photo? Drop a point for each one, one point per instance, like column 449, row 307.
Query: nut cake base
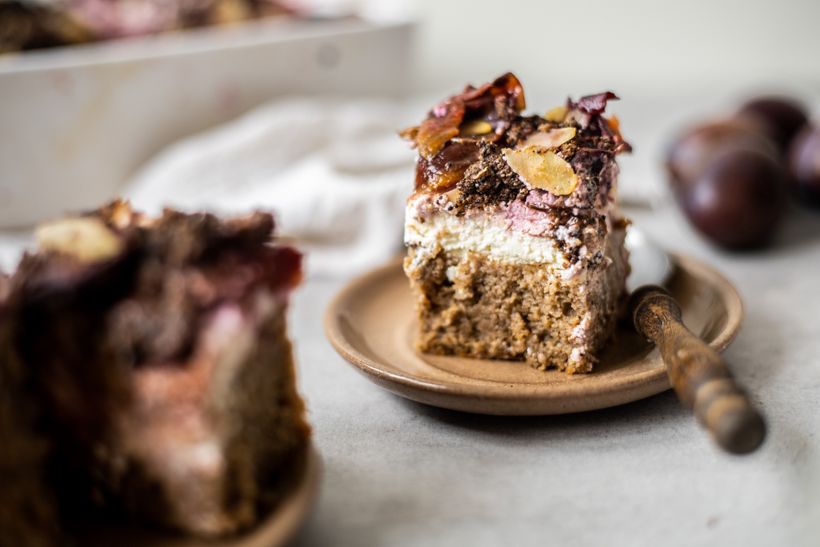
column 473, row 306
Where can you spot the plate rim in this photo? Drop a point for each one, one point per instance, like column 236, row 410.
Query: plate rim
column 283, row 523
column 647, row 383
column 274, row 529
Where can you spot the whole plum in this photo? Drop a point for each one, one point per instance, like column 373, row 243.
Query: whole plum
column 804, row 165
column 738, row 201
column 781, row 118
column 693, row 151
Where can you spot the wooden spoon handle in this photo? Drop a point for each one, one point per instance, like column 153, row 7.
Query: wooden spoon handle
column 697, row 373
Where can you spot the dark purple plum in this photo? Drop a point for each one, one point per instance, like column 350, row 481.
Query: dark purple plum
column 695, row 149
column 739, row 199
column 781, row 118
column 804, row 165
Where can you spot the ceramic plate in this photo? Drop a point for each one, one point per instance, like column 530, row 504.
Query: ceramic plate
column 276, row 529
column 372, row 324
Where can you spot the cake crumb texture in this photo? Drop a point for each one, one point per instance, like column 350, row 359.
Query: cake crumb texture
column 472, row 306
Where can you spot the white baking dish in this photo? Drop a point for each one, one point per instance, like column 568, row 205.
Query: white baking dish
column 77, row 121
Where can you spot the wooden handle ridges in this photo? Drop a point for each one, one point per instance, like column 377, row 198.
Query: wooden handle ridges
column 697, row 373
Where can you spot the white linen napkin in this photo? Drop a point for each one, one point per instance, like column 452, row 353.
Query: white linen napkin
column 334, row 173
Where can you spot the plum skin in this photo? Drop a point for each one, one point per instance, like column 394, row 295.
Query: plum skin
column 738, row 201
column 692, row 153
column 804, row 166
column 781, row 118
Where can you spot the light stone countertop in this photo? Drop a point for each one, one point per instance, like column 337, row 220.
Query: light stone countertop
column 401, row 473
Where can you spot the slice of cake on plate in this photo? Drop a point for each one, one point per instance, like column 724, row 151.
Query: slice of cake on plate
column 515, row 247
column 152, row 372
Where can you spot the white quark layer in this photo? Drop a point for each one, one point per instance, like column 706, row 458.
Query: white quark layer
column 433, row 231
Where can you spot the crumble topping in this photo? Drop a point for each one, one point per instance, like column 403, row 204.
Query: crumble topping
column 152, row 280
column 465, row 146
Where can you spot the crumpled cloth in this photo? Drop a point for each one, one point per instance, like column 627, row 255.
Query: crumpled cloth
column 334, row 173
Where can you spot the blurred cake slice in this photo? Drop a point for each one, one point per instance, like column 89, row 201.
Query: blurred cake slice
column 514, row 243
column 158, row 377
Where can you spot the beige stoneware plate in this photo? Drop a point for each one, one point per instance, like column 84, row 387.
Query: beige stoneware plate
column 372, row 324
column 276, row 529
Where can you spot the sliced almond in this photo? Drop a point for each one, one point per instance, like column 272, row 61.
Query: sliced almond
column 549, row 139
column 453, row 195
column 85, row 238
column 540, row 168
column 556, row 114
column 475, row 128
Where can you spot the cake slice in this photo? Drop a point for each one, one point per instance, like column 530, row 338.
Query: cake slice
column 515, row 247
column 154, row 376
column 27, row 510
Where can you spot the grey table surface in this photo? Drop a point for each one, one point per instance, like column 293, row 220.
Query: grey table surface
column 401, row 473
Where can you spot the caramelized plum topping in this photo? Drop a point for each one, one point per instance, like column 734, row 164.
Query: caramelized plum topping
column 445, row 169
column 494, row 103
column 594, row 104
column 435, row 131
column 588, row 109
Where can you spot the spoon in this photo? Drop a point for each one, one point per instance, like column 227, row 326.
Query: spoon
column 697, row 373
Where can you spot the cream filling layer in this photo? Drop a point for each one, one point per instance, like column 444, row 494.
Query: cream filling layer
column 488, row 235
